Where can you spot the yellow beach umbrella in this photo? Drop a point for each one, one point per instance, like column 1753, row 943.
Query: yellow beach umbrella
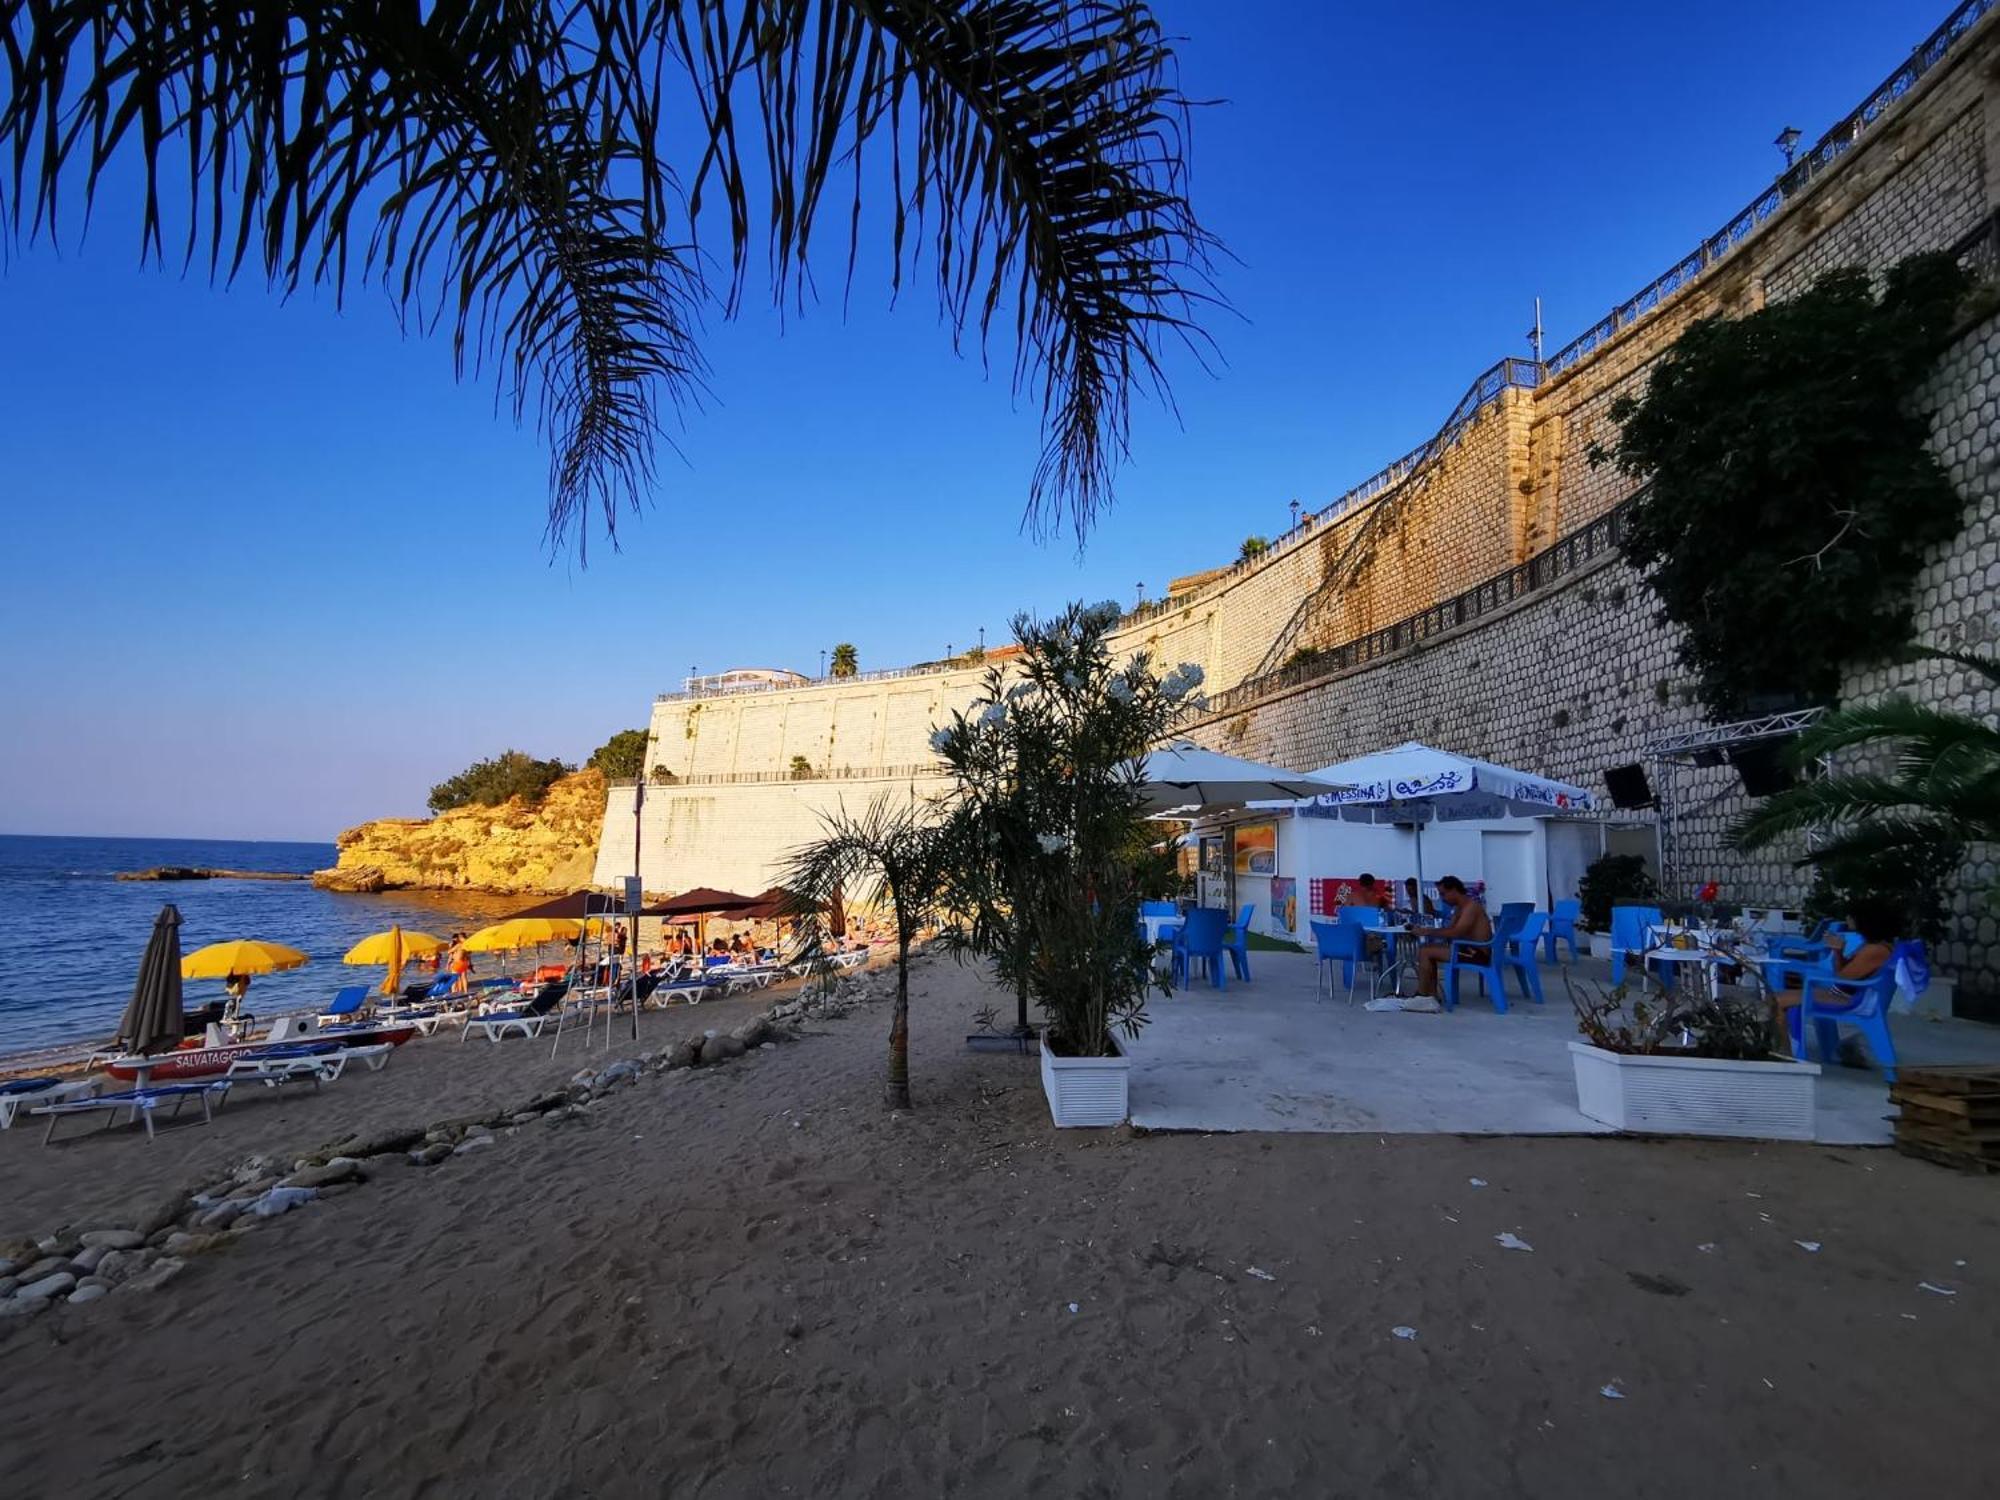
column 393, row 948
column 523, row 932
column 240, row 956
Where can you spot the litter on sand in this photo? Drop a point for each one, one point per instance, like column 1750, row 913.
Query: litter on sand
column 1259, row 1273
column 1611, row 1392
column 1072, row 1307
column 1708, row 1249
column 1942, row 1291
column 1811, row 1247
column 1477, row 1181
column 1404, row 1331
column 1511, row 1241
column 1419, row 1005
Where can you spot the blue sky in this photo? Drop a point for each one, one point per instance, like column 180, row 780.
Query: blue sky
column 274, row 572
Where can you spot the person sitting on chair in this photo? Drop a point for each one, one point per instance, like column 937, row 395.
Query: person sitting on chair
column 1469, row 923
column 1368, row 891
column 1878, row 922
column 1417, row 905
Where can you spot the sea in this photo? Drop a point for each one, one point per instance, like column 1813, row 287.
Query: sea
column 72, row 933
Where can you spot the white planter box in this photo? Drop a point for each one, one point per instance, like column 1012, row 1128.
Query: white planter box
column 1695, row 1095
column 1087, row 1090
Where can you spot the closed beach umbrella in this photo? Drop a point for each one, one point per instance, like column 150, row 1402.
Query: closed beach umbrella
column 241, row 956
column 394, row 948
column 153, row 1019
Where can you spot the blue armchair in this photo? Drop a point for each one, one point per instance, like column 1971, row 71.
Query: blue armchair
column 1629, row 928
column 1201, row 937
column 1489, row 961
column 1237, row 942
column 1562, row 929
column 1344, row 943
column 1827, row 1004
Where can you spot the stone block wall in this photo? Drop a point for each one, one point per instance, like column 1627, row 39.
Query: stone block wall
column 1569, row 682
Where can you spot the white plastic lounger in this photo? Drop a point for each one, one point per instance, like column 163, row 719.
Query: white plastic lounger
column 26, row 1093
column 310, row 1066
column 494, row 1027
column 141, row 1102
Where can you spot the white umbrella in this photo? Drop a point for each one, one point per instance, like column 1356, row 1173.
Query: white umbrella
column 1413, row 783
column 1183, row 775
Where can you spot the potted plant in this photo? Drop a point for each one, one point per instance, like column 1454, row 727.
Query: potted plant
column 1050, row 834
column 1684, row 1062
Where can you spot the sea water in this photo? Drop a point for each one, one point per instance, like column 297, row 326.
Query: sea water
column 72, row 934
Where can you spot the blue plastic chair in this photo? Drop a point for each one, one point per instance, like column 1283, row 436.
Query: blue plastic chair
column 347, row 1001
column 1201, row 937
column 1490, row 969
column 1344, row 943
column 1520, row 949
column 1516, row 908
column 1629, row 926
column 1158, row 909
column 1827, row 1004
column 1237, row 943
column 1562, row 929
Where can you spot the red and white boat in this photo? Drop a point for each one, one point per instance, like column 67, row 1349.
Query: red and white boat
column 193, row 1060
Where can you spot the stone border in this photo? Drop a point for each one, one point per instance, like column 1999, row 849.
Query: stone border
column 144, row 1255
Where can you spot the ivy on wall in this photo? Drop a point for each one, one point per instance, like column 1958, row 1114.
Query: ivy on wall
column 1792, row 498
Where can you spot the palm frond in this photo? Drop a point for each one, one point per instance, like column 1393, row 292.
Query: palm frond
column 1986, row 666
column 1891, row 719
column 495, row 165
column 1882, row 836
column 1037, row 144
column 1818, row 804
column 499, row 167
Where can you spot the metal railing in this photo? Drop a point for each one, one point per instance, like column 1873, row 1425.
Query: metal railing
column 1566, row 555
column 754, row 778
column 887, row 674
column 1805, row 170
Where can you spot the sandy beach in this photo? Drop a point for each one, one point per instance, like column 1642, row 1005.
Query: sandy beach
column 753, row 1280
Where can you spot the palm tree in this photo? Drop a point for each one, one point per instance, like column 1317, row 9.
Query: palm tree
column 896, row 857
column 1940, row 792
column 502, row 168
column 846, row 660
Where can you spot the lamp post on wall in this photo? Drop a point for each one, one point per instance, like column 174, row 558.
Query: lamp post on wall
column 1788, row 142
column 1295, row 515
column 822, row 664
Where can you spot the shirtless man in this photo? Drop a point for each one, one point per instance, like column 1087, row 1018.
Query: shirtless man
column 1469, row 923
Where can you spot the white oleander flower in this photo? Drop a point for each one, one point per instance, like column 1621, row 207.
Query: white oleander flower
column 1120, row 690
column 995, row 714
column 1104, row 614
column 1019, row 691
column 1052, row 843
column 941, row 740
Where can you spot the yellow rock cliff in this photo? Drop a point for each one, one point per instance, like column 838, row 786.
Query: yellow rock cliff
column 512, row 849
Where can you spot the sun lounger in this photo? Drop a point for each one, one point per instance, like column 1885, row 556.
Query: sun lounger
column 140, row 1102
column 313, row 1063
column 347, row 1004
column 527, row 1021
column 18, row 1094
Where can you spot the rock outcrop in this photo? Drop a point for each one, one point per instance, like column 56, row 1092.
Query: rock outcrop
column 514, row 848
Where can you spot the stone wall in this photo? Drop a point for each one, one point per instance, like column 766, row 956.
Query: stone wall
column 1568, row 682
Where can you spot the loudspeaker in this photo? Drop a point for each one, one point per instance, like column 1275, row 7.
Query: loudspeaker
column 1762, row 766
column 1628, row 786
column 1707, row 758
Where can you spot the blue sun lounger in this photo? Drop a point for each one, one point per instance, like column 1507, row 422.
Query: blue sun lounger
column 141, row 1102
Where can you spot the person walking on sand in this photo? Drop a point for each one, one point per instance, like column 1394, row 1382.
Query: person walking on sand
column 461, row 966
column 236, row 987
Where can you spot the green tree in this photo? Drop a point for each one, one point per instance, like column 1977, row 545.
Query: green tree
column 623, row 755
column 488, row 783
column 1047, row 839
column 504, row 169
column 801, row 768
column 1899, row 824
column 894, row 856
column 1253, row 546
column 1791, row 496
column 846, row 661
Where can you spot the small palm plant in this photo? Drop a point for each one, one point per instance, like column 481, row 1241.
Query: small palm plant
column 893, row 855
column 1939, row 792
column 846, row 660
